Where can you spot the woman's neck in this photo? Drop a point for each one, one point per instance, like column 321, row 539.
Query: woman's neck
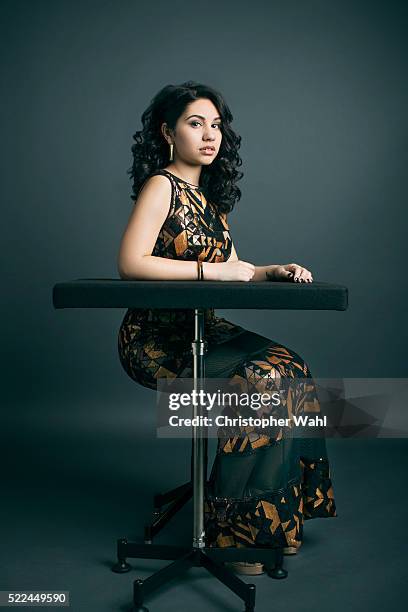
column 190, row 174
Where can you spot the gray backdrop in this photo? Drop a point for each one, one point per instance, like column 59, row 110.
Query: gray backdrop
column 319, row 94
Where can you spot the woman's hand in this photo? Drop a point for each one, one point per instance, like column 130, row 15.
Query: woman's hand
column 228, row 271
column 289, row 272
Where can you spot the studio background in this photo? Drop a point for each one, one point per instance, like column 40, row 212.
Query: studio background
column 319, row 94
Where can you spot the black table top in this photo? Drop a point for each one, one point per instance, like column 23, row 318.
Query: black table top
column 119, row 293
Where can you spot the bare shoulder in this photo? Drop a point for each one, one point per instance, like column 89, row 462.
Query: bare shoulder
column 157, row 183
column 155, row 195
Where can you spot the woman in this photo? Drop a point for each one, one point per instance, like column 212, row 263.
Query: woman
column 184, row 172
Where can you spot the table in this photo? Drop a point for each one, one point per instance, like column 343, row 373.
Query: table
column 198, row 296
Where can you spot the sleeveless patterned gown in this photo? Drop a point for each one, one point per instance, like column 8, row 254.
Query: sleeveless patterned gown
column 261, row 489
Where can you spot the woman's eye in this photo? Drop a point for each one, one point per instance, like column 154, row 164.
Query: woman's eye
column 199, row 123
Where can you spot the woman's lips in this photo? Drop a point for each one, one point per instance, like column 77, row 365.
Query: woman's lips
column 207, row 151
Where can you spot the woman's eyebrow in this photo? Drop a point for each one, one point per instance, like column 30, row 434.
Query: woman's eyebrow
column 201, row 117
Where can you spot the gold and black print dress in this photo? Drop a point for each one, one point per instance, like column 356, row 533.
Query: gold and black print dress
column 261, row 489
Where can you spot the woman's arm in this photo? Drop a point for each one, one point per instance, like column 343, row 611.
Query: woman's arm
column 260, row 271
column 135, row 261
column 276, row 272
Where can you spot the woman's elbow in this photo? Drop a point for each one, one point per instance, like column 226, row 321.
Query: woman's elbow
column 121, row 271
column 122, row 274
column 130, row 270
column 120, row 267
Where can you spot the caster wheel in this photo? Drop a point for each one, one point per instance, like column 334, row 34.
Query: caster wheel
column 121, row 567
column 148, row 541
column 278, row 573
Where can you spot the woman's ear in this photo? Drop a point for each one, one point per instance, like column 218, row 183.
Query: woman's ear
column 165, row 132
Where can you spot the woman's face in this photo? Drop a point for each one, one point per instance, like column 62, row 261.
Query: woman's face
column 198, row 127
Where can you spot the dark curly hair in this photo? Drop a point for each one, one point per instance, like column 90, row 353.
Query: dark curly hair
column 151, row 151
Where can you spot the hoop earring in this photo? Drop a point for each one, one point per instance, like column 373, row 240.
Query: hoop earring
column 171, row 152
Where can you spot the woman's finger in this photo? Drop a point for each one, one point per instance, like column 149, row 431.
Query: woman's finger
column 304, row 275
